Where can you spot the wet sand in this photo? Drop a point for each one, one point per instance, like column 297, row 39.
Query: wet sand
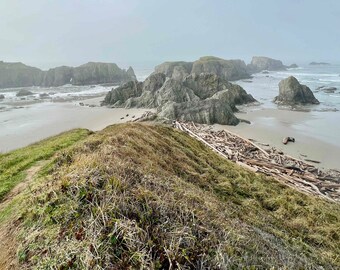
column 23, row 126
column 270, row 126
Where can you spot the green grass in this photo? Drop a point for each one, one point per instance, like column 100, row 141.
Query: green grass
column 13, row 165
column 150, row 197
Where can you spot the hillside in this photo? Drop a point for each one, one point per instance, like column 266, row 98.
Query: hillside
column 139, row 196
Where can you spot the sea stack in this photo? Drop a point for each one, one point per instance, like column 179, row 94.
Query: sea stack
column 291, row 92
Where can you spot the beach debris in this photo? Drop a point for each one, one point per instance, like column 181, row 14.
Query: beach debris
column 313, row 161
column 288, row 170
column 127, row 115
column 133, row 116
column 121, row 118
column 288, row 139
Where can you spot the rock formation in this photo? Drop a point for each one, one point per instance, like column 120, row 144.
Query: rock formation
column 20, row 75
column 259, row 63
column 204, row 98
column 230, row 70
column 24, row 92
column 291, row 92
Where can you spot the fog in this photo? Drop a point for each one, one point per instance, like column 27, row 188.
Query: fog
column 146, row 32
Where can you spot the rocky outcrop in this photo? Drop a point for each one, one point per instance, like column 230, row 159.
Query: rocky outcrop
column 226, row 69
column 207, row 111
column 326, row 89
column 291, row 92
column 57, row 76
column 259, row 63
column 205, row 98
column 20, row 75
column 24, row 92
column 293, row 66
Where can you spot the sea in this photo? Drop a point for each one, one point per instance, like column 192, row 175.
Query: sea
column 324, row 123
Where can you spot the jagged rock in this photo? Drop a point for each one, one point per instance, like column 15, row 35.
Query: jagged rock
column 20, row 75
column 24, row 92
column 291, row 92
column 2, row 97
column 131, row 73
column 176, row 70
column 118, row 96
column 204, row 98
column 259, row 63
column 57, row 76
column 226, row 69
column 208, row 111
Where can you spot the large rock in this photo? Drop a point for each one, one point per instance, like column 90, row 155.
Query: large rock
column 118, row 96
column 207, row 111
column 204, row 98
column 24, row 92
column 259, row 63
column 20, row 75
column 291, row 92
column 226, row 69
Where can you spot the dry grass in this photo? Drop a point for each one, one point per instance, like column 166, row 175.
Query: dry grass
column 149, row 197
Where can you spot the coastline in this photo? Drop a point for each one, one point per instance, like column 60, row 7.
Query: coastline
column 24, row 126
column 270, row 126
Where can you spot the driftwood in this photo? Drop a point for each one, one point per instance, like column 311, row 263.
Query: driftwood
column 288, row 170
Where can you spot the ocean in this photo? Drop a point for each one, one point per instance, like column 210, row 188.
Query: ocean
column 21, row 115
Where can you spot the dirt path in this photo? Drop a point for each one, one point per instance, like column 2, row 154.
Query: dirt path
column 9, row 230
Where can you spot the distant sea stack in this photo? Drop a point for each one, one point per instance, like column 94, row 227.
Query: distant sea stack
column 318, row 64
column 204, row 98
column 260, row 63
column 230, row 70
column 291, row 92
column 20, row 75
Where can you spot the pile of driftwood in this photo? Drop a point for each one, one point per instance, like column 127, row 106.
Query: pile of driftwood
column 288, row 170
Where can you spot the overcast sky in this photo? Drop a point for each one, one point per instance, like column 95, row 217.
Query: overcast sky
column 46, row 33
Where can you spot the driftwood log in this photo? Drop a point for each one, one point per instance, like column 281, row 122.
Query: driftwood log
column 287, row 170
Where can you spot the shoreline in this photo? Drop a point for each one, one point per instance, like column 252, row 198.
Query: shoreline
column 269, row 126
column 24, row 126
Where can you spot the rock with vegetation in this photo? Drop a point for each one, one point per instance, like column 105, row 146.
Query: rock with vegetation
column 260, row 63
column 24, row 92
column 227, row 69
column 138, row 196
column 205, row 98
column 291, row 92
column 20, row 75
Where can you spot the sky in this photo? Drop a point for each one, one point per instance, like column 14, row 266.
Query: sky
column 47, row 33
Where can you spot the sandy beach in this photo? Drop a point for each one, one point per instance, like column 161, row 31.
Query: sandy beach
column 23, row 126
column 270, row 126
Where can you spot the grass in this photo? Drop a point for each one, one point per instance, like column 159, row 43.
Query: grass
column 150, row 197
column 14, row 164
